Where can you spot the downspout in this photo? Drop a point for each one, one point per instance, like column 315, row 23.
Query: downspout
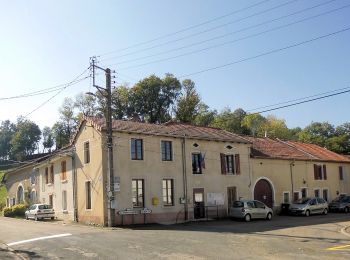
column 184, row 176
column 291, row 176
column 74, row 177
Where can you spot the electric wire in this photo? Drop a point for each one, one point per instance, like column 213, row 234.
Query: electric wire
column 234, row 32
column 204, row 31
column 236, row 40
column 185, row 29
column 267, row 53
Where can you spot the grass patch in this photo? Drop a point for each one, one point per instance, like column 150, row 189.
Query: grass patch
column 3, row 193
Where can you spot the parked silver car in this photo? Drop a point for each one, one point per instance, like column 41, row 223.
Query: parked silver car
column 250, row 209
column 308, row 206
column 40, row 211
column 341, row 203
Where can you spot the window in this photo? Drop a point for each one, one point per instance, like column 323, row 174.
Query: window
column 325, row 194
column 317, row 193
column 285, row 197
column 136, row 149
column 196, row 163
column 52, row 176
column 168, row 192
column 8, row 202
column 137, row 193
column 86, row 152
column 64, row 200
column 33, row 196
column 88, row 194
column 320, row 172
column 46, row 175
column 303, row 192
column 250, row 204
column 51, row 200
column 230, row 164
column 13, row 201
column 341, row 173
column 63, row 170
column 259, row 205
column 295, row 195
column 167, row 154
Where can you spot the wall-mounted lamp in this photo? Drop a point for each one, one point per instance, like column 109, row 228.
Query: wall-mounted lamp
column 195, row 145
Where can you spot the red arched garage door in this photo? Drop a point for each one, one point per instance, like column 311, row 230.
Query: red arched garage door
column 263, row 192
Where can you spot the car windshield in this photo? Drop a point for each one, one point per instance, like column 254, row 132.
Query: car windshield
column 341, row 199
column 238, row 204
column 302, row 201
column 45, row 207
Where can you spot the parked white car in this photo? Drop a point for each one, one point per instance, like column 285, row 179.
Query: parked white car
column 309, row 206
column 250, row 209
column 40, row 211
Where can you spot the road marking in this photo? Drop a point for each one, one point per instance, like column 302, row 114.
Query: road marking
column 343, row 248
column 38, row 238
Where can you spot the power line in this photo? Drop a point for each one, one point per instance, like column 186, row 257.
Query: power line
column 228, row 34
column 302, row 102
column 267, row 53
column 293, row 100
column 236, row 40
column 45, row 90
column 185, row 29
column 204, row 31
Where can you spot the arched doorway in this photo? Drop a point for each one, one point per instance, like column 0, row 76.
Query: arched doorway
column 263, row 192
column 20, row 195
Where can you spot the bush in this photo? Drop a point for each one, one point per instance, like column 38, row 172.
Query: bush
column 15, row 211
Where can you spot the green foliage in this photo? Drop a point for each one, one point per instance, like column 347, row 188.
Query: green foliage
column 317, row 133
column 205, row 116
column 25, row 140
column 7, row 131
column 231, row 121
column 3, row 193
column 188, row 103
column 15, row 211
column 48, row 140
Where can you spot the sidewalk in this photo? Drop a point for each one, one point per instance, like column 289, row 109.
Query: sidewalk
column 8, row 253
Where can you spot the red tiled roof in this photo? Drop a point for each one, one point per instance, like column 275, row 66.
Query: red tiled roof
column 319, row 152
column 172, row 129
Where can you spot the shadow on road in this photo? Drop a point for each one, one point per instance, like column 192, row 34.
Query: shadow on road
column 255, row 226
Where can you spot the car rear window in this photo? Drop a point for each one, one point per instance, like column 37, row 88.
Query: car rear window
column 238, row 204
column 45, row 207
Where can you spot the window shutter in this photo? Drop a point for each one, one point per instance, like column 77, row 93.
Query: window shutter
column 315, row 172
column 223, row 166
column 324, row 172
column 237, row 164
column 341, row 173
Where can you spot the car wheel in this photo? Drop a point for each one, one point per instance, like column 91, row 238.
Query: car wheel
column 346, row 210
column 269, row 216
column 52, row 218
column 325, row 212
column 247, row 218
column 307, row 213
column 36, row 218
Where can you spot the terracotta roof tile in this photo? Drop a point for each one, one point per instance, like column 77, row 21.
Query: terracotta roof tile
column 172, row 129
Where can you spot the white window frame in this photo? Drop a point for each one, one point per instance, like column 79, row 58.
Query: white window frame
column 86, row 197
column 319, row 192
column 89, row 151
column 172, row 150
column 301, row 193
column 64, row 201
column 327, row 194
column 173, row 182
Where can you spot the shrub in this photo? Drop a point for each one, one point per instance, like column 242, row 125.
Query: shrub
column 15, row 211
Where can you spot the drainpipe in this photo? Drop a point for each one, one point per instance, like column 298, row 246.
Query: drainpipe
column 74, row 177
column 184, row 176
column 291, row 176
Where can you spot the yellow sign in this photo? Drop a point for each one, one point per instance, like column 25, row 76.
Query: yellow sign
column 155, row 201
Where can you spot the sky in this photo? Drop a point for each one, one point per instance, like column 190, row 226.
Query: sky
column 243, row 48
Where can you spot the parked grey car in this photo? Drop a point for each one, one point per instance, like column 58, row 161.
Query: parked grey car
column 250, row 209
column 308, row 206
column 341, row 203
column 40, row 211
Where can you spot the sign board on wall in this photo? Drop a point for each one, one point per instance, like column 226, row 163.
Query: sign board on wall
column 116, row 183
column 215, row 199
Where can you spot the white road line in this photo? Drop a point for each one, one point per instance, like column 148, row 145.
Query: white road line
column 38, row 238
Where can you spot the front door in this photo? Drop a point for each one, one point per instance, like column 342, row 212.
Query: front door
column 231, row 196
column 263, row 192
column 198, row 203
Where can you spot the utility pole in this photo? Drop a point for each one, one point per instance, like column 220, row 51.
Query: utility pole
column 107, row 93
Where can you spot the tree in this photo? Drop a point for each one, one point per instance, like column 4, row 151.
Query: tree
column 121, row 103
column 188, row 103
column 276, row 128
column 25, row 140
column 60, row 135
column 48, row 140
column 317, row 133
column 231, row 121
column 153, row 97
column 7, row 131
column 85, row 104
column 205, row 116
column 256, row 124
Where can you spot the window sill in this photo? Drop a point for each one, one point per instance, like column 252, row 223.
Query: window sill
column 50, row 184
column 64, row 181
column 65, row 211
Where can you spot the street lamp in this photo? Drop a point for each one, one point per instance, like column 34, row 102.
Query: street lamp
column 107, row 93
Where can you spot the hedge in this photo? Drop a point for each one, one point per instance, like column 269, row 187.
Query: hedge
column 15, row 211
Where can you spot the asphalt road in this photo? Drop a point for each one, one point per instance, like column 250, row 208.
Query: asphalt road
column 285, row 237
